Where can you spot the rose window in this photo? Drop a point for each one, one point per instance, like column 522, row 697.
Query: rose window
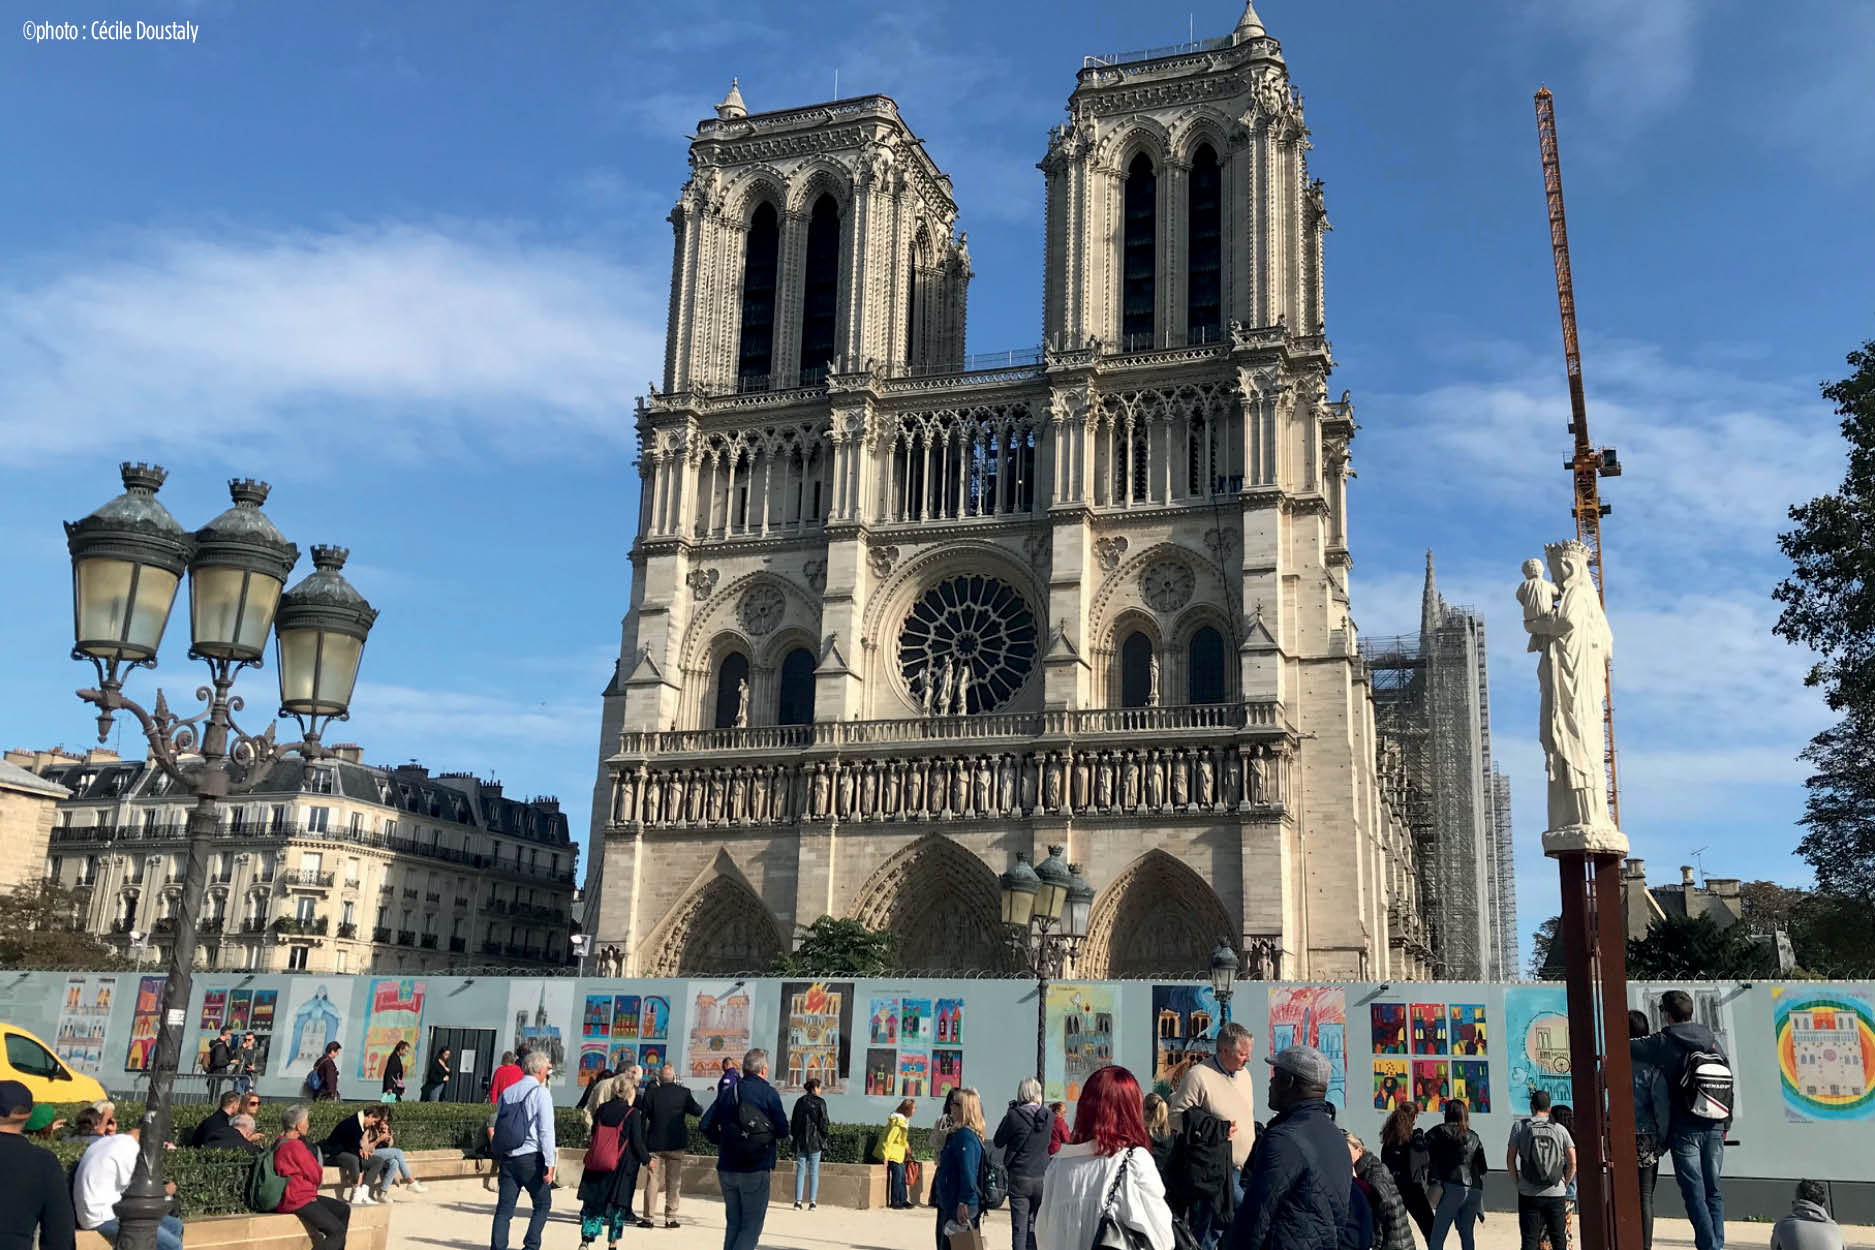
column 977, row 626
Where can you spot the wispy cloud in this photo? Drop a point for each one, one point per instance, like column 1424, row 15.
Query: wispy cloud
column 1639, row 60
column 405, row 335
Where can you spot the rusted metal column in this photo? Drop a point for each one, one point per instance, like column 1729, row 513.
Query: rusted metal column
column 1579, row 942
column 1624, row 1191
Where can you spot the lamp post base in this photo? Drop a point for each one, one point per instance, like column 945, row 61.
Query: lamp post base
column 140, row 1212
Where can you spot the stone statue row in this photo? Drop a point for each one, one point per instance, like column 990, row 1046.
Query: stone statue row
column 1120, row 780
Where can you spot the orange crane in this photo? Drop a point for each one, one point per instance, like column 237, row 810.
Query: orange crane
column 1588, row 463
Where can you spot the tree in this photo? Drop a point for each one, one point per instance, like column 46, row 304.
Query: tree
column 1542, row 942
column 839, row 948
column 1677, row 948
column 40, row 928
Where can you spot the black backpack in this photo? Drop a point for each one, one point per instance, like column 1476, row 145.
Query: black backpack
column 753, row 1130
column 1704, row 1089
column 992, row 1182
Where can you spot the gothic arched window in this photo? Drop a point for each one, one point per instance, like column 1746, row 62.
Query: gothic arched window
column 820, row 290
column 1204, row 298
column 796, row 705
column 1136, row 670
column 732, row 673
column 1205, row 671
column 755, row 357
column 1138, row 256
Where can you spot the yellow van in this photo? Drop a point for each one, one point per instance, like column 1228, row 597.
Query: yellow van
column 26, row 1059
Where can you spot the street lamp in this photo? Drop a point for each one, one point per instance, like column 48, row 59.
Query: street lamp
column 128, row 558
column 1223, row 977
column 1035, row 901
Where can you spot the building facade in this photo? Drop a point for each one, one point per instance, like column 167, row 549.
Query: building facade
column 28, row 810
column 898, row 615
column 333, row 866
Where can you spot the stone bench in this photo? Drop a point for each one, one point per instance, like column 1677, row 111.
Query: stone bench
column 430, row 1165
column 858, row 1186
column 370, row 1229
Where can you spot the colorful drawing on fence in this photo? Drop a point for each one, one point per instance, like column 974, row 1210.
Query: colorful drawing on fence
column 260, row 1020
column 884, row 1022
column 947, row 1071
column 214, row 1008
column 1432, row 1083
column 82, row 1021
column 542, row 1012
column 1392, row 1085
column 1471, row 1080
column 1389, row 1028
column 1314, row 1015
column 816, row 1035
column 592, row 1061
column 914, row 1022
column 914, row 1073
column 595, row 1032
column 315, row 1021
column 1537, row 1024
column 654, row 1019
column 1468, row 1030
column 882, row 1073
column 393, row 1014
column 1184, row 1031
column 149, row 1009
column 1080, row 1022
column 625, row 1009
column 950, row 1022
column 1825, row 1054
column 240, row 1008
column 1429, row 1029
column 722, row 1026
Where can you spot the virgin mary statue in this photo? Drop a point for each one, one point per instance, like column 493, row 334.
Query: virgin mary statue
column 1575, row 643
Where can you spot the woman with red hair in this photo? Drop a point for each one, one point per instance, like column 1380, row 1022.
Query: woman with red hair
column 1105, row 1172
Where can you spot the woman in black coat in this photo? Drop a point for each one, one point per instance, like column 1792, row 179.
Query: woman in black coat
column 437, row 1076
column 605, row 1197
column 1459, row 1165
column 394, row 1072
column 1403, row 1150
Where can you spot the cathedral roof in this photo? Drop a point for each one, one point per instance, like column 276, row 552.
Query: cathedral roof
column 1249, row 26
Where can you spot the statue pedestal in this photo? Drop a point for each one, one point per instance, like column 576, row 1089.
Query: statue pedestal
column 1585, row 840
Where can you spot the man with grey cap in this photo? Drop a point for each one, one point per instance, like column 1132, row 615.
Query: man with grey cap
column 1298, row 1181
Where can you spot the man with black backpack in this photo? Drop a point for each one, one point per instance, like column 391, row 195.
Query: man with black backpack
column 745, row 1122
column 1542, row 1157
column 1699, row 1083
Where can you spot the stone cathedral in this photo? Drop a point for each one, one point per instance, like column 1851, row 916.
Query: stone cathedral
column 899, row 616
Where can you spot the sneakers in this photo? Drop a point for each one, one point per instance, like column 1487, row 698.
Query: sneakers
column 361, row 1197
column 415, row 1186
column 797, row 1206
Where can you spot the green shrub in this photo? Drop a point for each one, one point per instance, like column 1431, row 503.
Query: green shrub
column 208, row 1182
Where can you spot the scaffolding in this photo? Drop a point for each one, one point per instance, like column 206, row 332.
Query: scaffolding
column 1431, row 695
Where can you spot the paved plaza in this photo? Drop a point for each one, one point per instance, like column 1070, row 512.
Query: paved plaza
column 456, row 1213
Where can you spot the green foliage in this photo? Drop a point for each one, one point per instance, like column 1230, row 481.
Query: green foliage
column 39, row 928
column 1830, row 936
column 1676, row 948
column 1839, row 811
column 1542, row 945
column 839, row 948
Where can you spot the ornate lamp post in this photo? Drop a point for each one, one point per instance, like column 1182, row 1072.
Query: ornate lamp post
column 1223, row 977
column 1035, row 901
column 128, row 559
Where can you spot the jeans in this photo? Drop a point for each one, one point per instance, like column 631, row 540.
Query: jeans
column 395, row 1164
column 243, row 1084
column 520, row 1172
column 1206, row 1224
column 1698, row 1155
column 1650, row 1177
column 326, row 1220
column 896, row 1193
column 374, row 1171
column 1537, row 1216
column 807, row 1177
column 429, row 1092
column 168, row 1233
column 1460, row 1206
column 745, row 1208
column 1025, row 1199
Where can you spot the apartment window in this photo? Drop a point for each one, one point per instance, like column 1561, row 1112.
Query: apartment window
column 317, row 819
column 343, row 960
column 303, row 909
column 390, row 828
column 384, row 917
column 351, row 868
column 55, row 866
column 136, row 870
column 406, row 924
column 347, row 914
column 279, row 817
column 455, row 927
column 319, row 781
column 237, row 819
column 149, row 818
column 65, row 818
column 296, row 958
column 358, row 822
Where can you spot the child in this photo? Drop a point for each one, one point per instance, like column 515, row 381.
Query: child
column 1537, row 595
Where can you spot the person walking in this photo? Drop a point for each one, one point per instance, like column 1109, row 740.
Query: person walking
column 1296, row 1194
column 613, row 1160
column 809, row 1127
column 1024, row 1137
column 942, row 1129
column 894, row 1148
column 1808, row 1226
column 245, row 1064
column 729, row 1077
column 326, row 1219
column 1392, row 1225
column 436, row 1076
column 667, row 1135
column 36, row 1201
column 1543, row 1157
column 1699, row 1074
column 348, row 1148
column 392, row 1087
column 1159, row 1129
column 955, row 1184
column 745, row 1122
column 1403, row 1150
column 508, row 1073
column 1222, row 1087
column 1455, row 1159
column 1058, row 1132
column 326, row 1073
column 220, row 1062
column 524, row 1145
column 1105, row 1172
column 1653, row 1113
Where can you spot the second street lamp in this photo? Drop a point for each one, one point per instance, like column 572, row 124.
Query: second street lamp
column 1035, row 900
column 1223, row 977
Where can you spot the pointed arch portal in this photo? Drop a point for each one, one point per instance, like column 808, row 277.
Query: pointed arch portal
column 1158, row 918
column 944, row 905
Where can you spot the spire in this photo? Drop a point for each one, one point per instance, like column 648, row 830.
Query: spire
column 1429, row 606
column 732, row 105
column 1249, row 26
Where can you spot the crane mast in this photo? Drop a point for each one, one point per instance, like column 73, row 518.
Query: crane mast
column 1588, row 463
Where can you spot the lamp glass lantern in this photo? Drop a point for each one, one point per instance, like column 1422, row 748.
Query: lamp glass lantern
column 1055, row 880
column 1019, row 885
column 240, row 567
column 321, row 628
column 127, row 562
column 1080, row 904
column 1223, row 969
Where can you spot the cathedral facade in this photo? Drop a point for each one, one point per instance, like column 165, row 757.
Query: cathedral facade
column 898, row 616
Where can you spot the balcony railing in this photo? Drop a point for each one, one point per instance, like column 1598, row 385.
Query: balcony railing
column 491, row 948
column 164, row 924
column 462, row 900
column 457, row 945
column 406, row 937
column 254, row 924
column 308, row 877
column 428, row 942
column 208, row 926
column 348, row 929
column 410, row 892
column 351, row 883
column 293, row 926
column 380, row 934
column 432, row 898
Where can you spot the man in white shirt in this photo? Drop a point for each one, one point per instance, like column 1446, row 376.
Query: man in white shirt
column 103, row 1174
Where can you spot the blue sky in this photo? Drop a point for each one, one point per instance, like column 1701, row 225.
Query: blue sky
column 410, row 266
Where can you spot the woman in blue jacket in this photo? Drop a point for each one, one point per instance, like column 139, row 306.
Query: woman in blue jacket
column 956, row 1184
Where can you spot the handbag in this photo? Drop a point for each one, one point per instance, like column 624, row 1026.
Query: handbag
column 1110, row 1233
column 963, row 1236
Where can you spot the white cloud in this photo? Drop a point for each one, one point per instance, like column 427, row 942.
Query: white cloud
column 1638, row 59
column 407, row 336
